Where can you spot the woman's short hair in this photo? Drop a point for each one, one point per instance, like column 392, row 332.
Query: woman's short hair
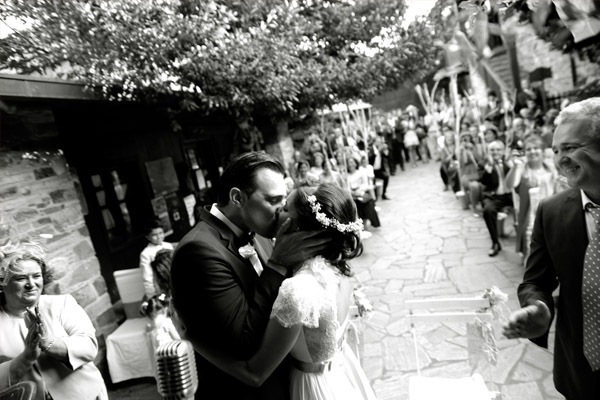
column 10, row 258
column 241, row 173
column 535, row 140
column 336, row 203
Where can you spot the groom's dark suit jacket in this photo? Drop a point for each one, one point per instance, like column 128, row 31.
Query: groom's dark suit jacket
column 558, row 245
column 222, row 302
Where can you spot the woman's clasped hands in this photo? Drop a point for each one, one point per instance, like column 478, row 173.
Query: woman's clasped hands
column 38, row 338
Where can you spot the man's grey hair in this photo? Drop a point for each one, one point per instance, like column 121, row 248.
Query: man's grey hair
column 585, row 110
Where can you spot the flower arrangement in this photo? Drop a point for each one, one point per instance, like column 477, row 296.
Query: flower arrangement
column 362, row 303
column 484, row 331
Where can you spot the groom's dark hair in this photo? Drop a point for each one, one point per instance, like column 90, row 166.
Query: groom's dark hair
column 241, row 173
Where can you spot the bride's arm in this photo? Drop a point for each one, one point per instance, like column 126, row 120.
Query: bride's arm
column 276, row 344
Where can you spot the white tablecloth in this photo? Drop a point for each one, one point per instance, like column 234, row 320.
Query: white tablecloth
column 128, row 351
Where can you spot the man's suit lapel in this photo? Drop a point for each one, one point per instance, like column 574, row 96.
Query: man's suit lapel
column 574, row 234
column 242, row 267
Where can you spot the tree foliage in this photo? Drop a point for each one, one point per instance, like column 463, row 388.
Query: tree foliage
column 277, row 57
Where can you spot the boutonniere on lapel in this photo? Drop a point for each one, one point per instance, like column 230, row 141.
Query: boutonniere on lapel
column 249, row 253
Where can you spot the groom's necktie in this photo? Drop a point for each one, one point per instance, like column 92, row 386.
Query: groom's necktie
column 590, row 294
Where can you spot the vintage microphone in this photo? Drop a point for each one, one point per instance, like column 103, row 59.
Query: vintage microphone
column 176, row 370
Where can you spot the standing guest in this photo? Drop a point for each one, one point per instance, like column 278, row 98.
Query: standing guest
column 317, row 167
column 360, row 189
column 155, row 236
column 422, row 149
column 223, row 299
column 565, row 251
column 331, row 176
column 303, row 175
column 380, row 159
column 398, row 149
column 411, row 140
column 490, row 134
column 46, row 339
column 496, row 195
column 533, row 180
column 291, row 170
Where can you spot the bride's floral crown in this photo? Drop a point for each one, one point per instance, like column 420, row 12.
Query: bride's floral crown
column 353, row 227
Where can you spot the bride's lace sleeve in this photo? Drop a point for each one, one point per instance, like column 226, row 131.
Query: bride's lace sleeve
column 298, row 302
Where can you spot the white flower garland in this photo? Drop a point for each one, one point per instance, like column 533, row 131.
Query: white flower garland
column 352, row 227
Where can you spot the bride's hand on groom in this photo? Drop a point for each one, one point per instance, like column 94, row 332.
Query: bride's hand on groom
column 293, row 247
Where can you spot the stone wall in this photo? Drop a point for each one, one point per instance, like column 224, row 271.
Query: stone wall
column 40, row 200
column 534, row 53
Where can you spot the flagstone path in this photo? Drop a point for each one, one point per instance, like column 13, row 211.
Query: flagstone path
column 429, row 247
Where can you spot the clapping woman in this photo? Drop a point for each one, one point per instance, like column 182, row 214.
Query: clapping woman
column 46, row 339
column 533, row 179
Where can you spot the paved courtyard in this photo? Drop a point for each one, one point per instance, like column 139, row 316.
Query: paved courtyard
column 429, row 247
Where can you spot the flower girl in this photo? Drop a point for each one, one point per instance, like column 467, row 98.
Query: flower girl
column 161, row 329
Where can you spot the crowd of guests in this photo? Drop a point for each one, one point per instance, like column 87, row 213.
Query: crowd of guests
column 498, row 163
column 348, row 163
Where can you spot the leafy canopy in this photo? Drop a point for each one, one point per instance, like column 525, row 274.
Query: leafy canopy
column 277, row 57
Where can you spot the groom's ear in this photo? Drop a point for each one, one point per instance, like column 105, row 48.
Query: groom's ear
column 237, row 197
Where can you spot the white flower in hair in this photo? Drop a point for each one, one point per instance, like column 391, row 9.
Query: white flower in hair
column 352, row 227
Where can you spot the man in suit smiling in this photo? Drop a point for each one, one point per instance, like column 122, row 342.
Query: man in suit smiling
column 565, row 250
column 222, row 298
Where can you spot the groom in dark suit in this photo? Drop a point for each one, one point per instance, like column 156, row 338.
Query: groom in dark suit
column 565, row 250
column 224, row 299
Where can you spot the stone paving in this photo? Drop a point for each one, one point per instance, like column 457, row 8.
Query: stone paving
column 429, row 247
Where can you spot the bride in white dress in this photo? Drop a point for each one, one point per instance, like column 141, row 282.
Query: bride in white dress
column 311, row 313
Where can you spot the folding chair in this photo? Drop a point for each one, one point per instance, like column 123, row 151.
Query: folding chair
column 443, row 311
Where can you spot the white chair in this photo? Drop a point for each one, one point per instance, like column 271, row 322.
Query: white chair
column 442, row 311
column 130, row 284
column 128, row 348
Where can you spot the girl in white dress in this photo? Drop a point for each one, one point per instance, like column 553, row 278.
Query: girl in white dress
column 311, row 313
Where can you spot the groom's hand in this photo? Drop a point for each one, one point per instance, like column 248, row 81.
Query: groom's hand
column 293, row 248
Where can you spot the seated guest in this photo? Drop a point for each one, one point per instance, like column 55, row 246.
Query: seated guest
column 469, row 171
column 155, row 236
column 45, row 339
column 449, row 164
column 370, row 172
column 496, row 194
column 533, row 179
column 358, row 182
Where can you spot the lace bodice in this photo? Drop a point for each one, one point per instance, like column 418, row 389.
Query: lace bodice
column 309, row 299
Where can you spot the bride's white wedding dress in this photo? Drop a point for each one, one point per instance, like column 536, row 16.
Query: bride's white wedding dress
column 324, row 366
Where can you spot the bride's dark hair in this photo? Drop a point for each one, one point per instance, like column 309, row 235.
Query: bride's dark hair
column 335, row 203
